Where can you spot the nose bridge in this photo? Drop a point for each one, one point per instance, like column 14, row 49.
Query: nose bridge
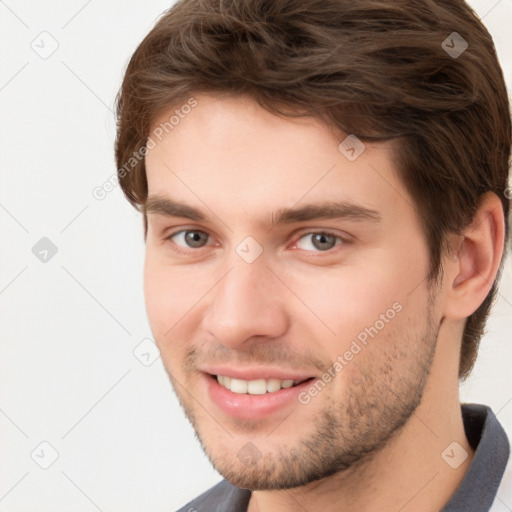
column 244, row 287
column 245, row 303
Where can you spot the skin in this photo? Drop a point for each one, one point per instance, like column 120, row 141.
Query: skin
column 373, row 437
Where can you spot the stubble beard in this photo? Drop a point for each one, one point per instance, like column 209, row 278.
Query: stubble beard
column 347, row 432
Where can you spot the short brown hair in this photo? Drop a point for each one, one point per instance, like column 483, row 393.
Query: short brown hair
column 379, row 70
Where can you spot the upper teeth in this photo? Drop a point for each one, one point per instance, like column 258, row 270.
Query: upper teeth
column 254, row 387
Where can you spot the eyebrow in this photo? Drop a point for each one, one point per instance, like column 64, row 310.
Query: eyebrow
column 158, row 205
column 330, row 210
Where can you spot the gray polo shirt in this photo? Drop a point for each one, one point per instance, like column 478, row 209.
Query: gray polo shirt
column 484, row 487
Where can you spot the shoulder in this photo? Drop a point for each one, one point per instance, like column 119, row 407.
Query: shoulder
column 503, row 499
column 484, row 486
column 223, row 497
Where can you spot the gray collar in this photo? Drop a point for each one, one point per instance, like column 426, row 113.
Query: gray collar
column 478, row 488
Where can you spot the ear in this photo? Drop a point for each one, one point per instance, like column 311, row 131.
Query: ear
column 471, row 269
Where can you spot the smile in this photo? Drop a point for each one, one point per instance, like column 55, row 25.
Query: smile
column 255, row 387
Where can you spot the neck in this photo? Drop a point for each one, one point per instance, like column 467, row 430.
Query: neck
column 410, row 473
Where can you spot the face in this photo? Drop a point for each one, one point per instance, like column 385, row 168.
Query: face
column 294, row 274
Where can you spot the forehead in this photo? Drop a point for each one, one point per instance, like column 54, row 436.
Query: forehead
column 230, row 151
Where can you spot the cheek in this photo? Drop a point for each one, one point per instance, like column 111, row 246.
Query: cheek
column 366, row 295
column 172, row 296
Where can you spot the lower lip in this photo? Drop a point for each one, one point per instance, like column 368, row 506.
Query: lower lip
column 252, row 407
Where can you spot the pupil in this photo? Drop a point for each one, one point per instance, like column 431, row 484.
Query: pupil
column 195, row 238
column 323, row 241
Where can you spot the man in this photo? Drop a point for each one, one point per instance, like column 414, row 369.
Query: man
column 324, row 190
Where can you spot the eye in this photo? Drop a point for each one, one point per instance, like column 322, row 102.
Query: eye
column 318, row 241
column 190, row 239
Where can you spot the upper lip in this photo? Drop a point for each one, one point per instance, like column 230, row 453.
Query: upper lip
column 256, row 373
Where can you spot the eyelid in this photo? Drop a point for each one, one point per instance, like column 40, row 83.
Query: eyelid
column 169, row 234
column 345, row 239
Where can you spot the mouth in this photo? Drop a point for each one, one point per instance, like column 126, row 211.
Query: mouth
column 257, row 398
column 257, row 386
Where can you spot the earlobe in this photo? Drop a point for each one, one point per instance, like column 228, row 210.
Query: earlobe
column 476, row 259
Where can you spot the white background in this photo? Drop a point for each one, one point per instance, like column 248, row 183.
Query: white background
column 68, row 327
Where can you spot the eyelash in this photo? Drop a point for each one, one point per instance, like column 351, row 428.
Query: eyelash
column 181, row 250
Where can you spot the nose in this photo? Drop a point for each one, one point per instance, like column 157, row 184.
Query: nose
column 248, row 302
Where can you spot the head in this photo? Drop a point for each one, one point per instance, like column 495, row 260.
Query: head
column 273, row 240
